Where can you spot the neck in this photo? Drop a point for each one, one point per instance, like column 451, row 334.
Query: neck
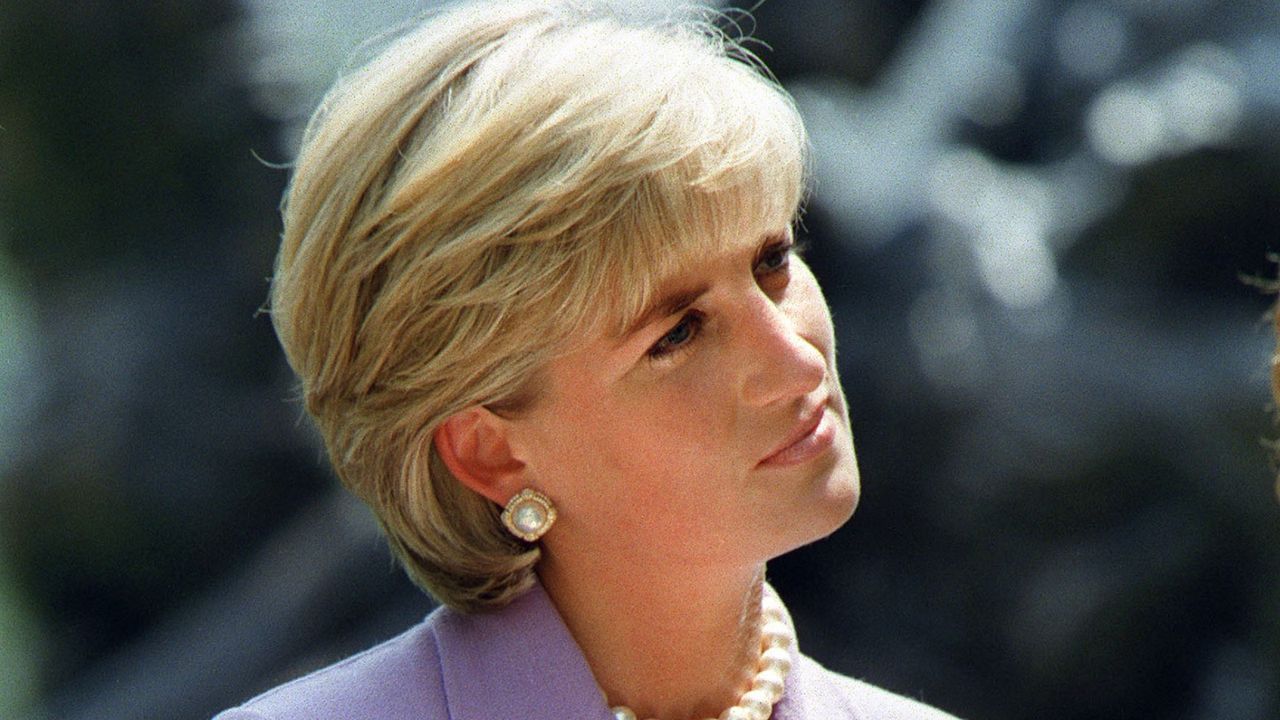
column 668, row 644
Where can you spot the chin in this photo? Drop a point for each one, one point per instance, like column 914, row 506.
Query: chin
column 840, row 496
column 828, row 508
column 841, row 486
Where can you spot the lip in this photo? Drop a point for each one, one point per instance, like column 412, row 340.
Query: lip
column 812, row 437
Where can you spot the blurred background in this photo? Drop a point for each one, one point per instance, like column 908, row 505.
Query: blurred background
column 1040, row 226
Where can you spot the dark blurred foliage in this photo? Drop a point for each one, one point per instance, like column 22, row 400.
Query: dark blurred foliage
column 163, row 450
column 1090, row 532
column 1086, row 531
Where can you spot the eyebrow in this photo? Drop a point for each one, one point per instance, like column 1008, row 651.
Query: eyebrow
column 673, row 302
column 666, row 305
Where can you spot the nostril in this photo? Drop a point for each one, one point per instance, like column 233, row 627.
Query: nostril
column 787, row 367
column 815, row 367
column 782, row 348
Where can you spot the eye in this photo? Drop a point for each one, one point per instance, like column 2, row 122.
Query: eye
column 677, row 338
column 775, row 258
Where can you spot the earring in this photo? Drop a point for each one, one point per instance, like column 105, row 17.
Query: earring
column 529, row 515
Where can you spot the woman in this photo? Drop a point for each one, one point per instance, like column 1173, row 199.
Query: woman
column 539, row 284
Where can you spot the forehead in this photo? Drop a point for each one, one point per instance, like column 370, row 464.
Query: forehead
column 681, row 288
column 684, row 272
column 654, row 244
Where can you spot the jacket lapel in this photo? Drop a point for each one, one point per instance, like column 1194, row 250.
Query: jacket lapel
column 519, row 663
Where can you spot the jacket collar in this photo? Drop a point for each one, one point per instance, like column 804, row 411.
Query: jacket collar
column 517, row 662
column 522, row 662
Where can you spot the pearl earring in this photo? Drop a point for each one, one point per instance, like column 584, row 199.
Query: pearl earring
column 529, row 515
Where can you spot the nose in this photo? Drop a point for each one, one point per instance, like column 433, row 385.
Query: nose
column 781, row 363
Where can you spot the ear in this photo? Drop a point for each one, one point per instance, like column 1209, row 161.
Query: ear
column 475, row 445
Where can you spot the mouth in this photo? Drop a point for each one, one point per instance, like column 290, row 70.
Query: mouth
column 810, row 438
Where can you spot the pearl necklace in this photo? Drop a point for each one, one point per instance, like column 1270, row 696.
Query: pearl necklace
column 776, row 640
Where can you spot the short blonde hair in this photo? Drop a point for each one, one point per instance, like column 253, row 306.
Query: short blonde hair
column 497, row 182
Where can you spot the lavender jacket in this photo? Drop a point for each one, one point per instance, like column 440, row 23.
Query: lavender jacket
column 519, row 663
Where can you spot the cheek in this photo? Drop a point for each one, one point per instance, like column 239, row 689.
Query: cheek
column 668, row 434
column 813, row 316
column 652, row 456
column 623, row 479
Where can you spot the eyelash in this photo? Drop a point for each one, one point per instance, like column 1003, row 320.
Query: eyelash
column 666, row 348
column 784, row 251
column 681, row 337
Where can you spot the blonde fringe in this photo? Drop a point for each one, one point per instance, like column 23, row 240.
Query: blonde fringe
column 497, row 184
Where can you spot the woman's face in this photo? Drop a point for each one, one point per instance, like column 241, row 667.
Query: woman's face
column 713, row 431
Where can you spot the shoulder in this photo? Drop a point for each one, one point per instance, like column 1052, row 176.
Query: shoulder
column 517, row 662
column 395, row 680
column 852, row 698
column 879, row 703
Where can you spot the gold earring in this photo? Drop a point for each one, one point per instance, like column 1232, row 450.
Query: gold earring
column 529, row 515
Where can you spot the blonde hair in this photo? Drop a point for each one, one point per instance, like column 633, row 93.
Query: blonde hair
column 499, row 181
